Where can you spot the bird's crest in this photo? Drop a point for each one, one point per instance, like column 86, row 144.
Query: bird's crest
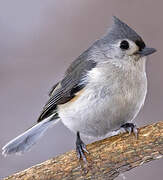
column 121, row 30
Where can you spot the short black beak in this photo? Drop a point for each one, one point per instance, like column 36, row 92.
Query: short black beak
column 146, row 51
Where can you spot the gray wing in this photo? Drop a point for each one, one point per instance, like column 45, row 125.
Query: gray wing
column 53, row 89
column 66, row 89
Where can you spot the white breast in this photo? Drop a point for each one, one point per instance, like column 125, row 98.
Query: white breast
column 108, row 101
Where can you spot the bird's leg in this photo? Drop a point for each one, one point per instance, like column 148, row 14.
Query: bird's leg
column 80, row 148
column 130, row 127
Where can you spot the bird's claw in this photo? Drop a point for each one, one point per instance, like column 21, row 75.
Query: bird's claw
column 130, row 127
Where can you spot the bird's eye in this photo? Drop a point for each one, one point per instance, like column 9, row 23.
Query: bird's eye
column 124, row 45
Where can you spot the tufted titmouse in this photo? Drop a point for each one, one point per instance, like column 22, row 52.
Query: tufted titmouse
column 102, row 90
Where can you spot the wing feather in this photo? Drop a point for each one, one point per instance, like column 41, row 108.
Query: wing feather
column 66, row 89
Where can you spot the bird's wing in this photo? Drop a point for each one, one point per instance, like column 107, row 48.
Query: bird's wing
column 66, row 89
column 53, row 89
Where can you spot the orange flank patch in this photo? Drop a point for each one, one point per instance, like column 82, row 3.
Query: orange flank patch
column 67, row 104
column 77, row 95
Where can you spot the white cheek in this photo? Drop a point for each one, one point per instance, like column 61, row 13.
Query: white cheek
column 133, row 48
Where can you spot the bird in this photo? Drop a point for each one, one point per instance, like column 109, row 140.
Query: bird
column 102, row 91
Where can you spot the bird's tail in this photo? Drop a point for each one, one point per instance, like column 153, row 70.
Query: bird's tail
column 25, row 141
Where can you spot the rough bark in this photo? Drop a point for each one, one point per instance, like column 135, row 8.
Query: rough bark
column 107, row 159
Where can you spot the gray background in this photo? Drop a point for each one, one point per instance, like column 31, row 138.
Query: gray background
column 38, row 40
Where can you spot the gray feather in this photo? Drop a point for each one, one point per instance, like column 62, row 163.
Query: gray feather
column 25, row 141
column 53, row 89
column 70, row 85
column 121, row 30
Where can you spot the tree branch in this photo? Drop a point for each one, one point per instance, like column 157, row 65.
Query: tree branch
column 107, row 159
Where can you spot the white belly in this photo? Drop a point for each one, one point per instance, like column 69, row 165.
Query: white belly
column 106, row 103
column 86, row 115
column 94, row 115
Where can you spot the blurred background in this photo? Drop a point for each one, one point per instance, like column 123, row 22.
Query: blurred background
column 38, row 40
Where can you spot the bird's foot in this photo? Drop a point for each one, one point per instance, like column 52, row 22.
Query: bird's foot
column 80, row 148
column 130, row 127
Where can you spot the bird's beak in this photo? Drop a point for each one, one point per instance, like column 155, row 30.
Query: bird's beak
column 146, row 51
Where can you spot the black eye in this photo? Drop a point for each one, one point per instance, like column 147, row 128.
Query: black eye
column 124, row 45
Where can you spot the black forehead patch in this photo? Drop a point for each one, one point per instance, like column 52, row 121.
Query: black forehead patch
column 121, row 30
column 140, row 44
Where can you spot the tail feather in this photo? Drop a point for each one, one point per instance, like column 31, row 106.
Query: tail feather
column 25, row 141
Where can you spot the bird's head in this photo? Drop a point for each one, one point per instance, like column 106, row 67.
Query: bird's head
column 123, row 43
